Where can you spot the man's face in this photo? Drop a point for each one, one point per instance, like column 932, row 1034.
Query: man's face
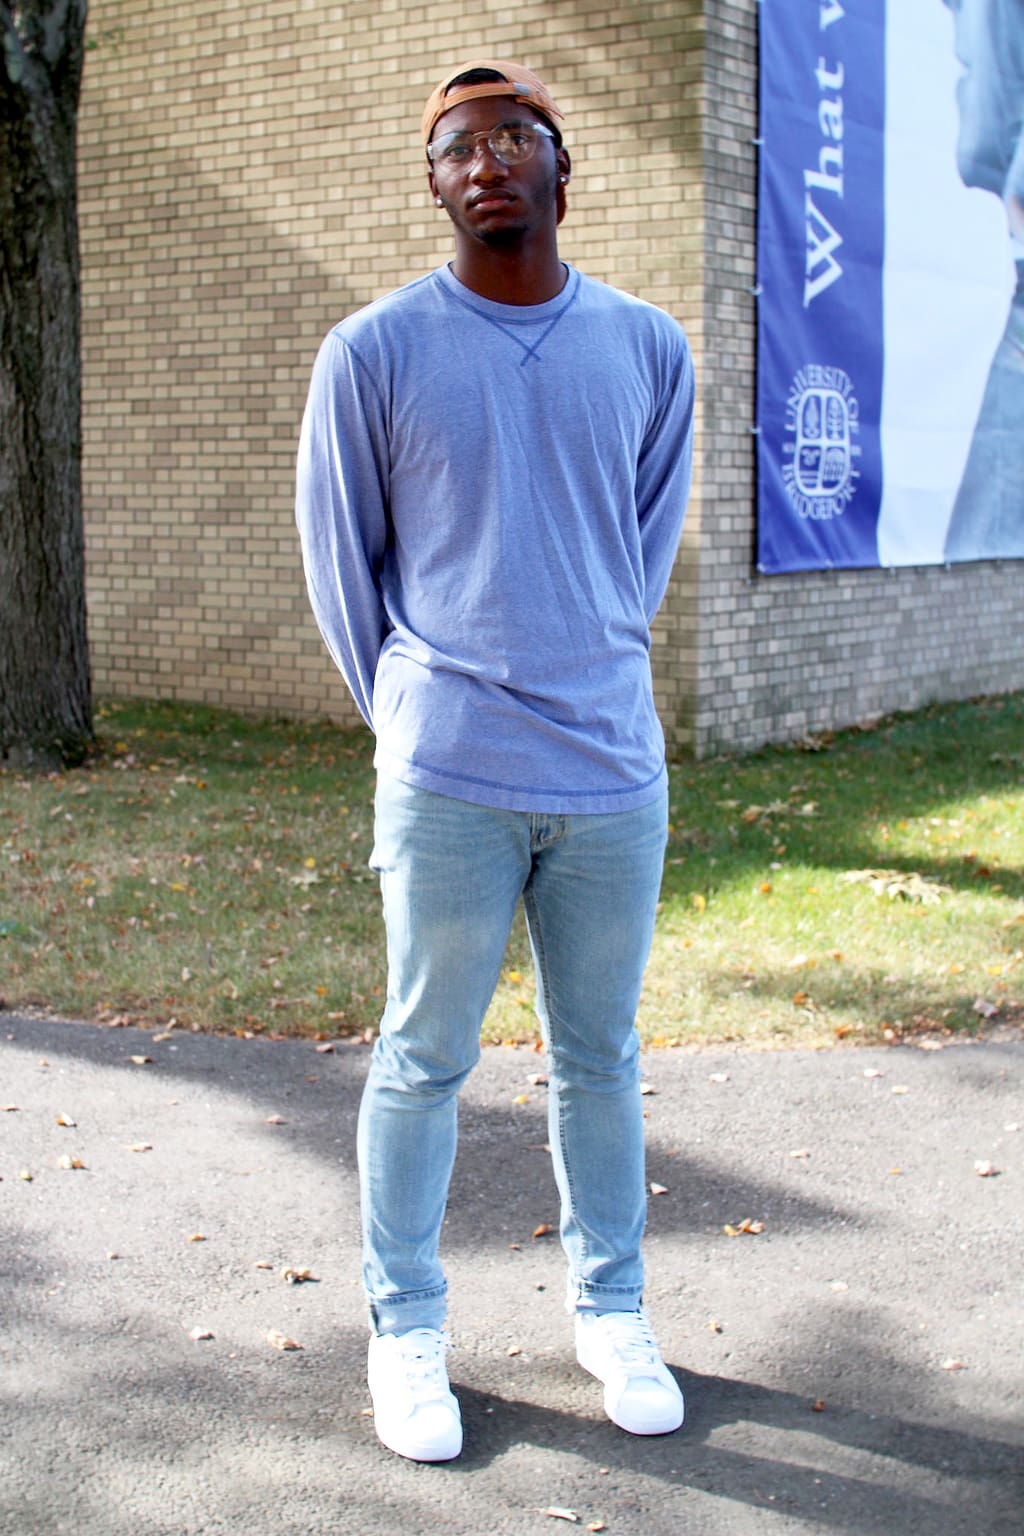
column 487, row 200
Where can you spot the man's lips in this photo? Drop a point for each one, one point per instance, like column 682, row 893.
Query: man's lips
column 491, row 199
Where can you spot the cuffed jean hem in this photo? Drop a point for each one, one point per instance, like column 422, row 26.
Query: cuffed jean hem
column 585, row 1296
column 414, row 1309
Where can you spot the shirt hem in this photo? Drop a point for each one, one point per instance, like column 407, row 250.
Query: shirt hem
column 507, row 797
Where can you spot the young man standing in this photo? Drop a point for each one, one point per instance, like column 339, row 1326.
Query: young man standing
column 493, row 470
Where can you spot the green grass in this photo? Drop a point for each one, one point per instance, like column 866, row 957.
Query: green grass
column 211, row 869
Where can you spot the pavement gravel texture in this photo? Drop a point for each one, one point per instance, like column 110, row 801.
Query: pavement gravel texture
column 851, row 1355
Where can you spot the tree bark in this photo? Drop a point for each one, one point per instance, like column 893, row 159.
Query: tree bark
column 45, row 693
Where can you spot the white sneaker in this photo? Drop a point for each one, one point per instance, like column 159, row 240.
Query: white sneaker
column 414, row 1412
column 640, row 1393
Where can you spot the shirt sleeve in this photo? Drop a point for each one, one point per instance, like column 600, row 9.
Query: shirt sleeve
column 664, row 469
column 990, row 94
column 341, row 510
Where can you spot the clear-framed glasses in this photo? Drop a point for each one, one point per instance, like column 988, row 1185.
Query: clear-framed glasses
column 511, row 143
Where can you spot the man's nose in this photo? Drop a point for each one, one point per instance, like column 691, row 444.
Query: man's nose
column 485, row 162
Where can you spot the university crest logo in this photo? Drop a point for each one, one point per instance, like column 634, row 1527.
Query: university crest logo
column 820, row 449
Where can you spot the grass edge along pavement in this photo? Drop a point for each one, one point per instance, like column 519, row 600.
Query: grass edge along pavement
column 209, row 870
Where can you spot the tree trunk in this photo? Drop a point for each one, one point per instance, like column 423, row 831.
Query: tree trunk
column 45, row 696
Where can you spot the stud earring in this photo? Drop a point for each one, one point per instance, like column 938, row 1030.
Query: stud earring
column 563, row 180
column 439, row 201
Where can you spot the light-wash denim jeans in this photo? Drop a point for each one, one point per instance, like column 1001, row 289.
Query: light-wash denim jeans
column 451, row 874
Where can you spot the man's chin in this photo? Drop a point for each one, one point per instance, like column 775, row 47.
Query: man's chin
column 502, row 239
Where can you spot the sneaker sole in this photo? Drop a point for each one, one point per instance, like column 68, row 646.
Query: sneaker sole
column 413, row 1452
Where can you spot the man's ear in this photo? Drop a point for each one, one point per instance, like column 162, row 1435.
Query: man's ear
column 433, row 187
column 563, row 165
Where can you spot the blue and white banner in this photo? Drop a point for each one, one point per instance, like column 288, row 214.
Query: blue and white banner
column 890, row 325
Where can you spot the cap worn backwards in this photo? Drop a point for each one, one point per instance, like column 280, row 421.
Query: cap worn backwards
column 517, row 81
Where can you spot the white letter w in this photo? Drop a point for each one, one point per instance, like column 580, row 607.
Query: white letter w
column 822, row 268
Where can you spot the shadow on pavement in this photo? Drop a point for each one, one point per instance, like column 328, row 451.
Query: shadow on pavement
column 114, row 1422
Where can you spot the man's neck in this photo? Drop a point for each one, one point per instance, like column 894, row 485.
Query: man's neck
column 510, row 276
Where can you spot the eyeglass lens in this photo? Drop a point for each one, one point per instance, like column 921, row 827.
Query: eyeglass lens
column 509, row 142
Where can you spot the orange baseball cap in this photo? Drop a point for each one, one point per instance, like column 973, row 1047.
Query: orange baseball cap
column 517, row 81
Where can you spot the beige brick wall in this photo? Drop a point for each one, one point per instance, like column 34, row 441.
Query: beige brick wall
column 251, row 173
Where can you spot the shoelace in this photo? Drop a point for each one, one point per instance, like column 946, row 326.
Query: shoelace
column 631, row 1341
column 423, row 1362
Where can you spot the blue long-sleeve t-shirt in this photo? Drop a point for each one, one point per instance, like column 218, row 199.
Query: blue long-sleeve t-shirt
column 489, row 499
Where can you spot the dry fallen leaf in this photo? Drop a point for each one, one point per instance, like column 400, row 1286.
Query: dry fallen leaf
column 513, row 1349
column 263, row 1264
column 200, row 1333
column 25, row 1175
column 557, row 1513
column 297, row 1276
column 953, row 1365
column 69, row 1162
column 714, row 1326
column 65, row 1120
column 521, row 1098
column 752, row 1228
column 800, row 1152
column 141, row 1061
column 326, row 1049
column 897, row 884
column 281, row 1340
column 276, row 1120
column 986, row 1170
column 544, row 1230
column 819, row 1406
column 8, row 1109
column 537, row 1080
column 197, row 1237
column 141, row 1146
column 718, row 1077
column 647, row 1089
column 306, row 877
column 659, row 1189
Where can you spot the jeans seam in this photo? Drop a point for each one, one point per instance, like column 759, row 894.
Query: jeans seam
column 545, row 992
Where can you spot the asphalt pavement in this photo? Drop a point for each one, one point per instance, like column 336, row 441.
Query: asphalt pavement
column 835, row 1273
